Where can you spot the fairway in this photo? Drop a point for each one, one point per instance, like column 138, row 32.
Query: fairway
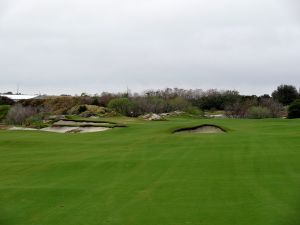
column 145, row 174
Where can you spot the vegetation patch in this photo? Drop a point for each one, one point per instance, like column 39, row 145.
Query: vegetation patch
column 294, row 110
column 78, row 119
column 3, row 111
column 68, row 123
column 87, row 122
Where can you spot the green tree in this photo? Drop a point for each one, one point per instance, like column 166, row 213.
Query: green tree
column 285, row 94
column 294, row 110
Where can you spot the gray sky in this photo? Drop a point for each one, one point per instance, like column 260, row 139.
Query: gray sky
column 74, row 46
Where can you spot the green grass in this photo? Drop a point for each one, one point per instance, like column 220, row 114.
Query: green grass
column 145, row 175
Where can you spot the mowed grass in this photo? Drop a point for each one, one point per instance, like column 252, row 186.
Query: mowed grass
column 145, row 175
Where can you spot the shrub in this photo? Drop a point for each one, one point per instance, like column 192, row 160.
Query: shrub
column 60, row 105
column 35, row 121
column 276, row 108
column 93, row 110
column 88, row 110
column 6, row 101
column 155, row 105
column 3, row 111
column 192, row 110
column 33, row 102
column 258, row 112
column 178, row 103
column 217, row 100
column 18, row 114
column 123, row 106
column 82, row 108
column 294, row 110
column 240, row 109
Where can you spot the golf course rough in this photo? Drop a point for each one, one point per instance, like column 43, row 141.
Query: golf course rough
column 145, row 174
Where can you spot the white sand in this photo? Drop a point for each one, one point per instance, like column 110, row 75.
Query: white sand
column 64, row 129
column 92, row 129
column 59, row 129
column 75, row 129
column 204, row 130
column 207, row 130
column 75, row 124
column 21, row 128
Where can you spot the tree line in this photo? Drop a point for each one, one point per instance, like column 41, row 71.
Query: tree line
column 193, row 101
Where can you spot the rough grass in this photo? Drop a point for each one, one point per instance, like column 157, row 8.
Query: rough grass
column 146, row 175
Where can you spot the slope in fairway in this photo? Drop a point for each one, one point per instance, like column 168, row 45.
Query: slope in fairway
column 146, row 175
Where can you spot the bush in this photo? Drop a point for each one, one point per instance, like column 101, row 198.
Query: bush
column 217, row 100
column 294, row 110
column 35, row 121
column 178, row 103
column 82, row 108
column 60, row 105
column 89, row 110
column 276, row 108
column 3, row 111
column 258, row 112
column 32, row 102
column 240, row 109
column 192, row 110
column 6, row 101
column 123, row 106
column 18, row 114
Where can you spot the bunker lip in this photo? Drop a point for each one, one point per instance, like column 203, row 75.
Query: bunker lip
column 82, row 123
column 204, row 128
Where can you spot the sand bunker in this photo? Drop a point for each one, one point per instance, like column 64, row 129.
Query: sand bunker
column 59, row 129
column 203, row 129
column 75, row 129
column 92, row 129
column 21, row 128
column 63, row 129
column 75, row 124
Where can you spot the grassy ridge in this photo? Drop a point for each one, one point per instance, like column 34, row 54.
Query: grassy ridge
column 146, row 175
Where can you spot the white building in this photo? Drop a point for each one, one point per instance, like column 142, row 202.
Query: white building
column 19, row 97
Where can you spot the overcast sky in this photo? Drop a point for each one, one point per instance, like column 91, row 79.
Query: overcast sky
column 74, row 46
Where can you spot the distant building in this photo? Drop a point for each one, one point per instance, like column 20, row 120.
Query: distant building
column 19, row 97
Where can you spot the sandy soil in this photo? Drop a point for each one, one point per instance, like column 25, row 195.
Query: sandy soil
column 204, row 130
column 207, row 130
column 65, row 129
column 92, row 129
column 59, row 129
column 21, row 128
column 72, row 123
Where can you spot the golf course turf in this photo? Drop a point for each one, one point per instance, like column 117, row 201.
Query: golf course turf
column 145, row 174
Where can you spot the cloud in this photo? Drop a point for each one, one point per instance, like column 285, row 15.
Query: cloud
column 75, row 46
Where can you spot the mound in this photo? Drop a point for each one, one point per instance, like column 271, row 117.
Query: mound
column 202, row 129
